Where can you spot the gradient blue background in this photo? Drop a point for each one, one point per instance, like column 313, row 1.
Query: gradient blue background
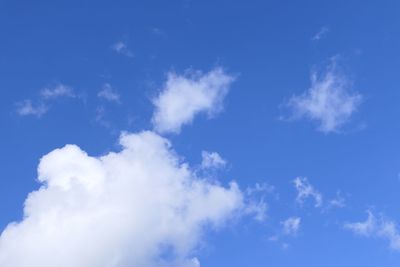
column 269, row 46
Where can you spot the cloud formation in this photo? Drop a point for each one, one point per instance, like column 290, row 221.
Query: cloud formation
column 212, row 160
column 291, row 225
column 43, row 103
column 329, row 101
column 126, row 208
column 60, row 90
column 305, row 190
column 109, row 94
column 122, row 48
column 377, row 228
column 27, row 108
column 320, row 34
column 184, row 96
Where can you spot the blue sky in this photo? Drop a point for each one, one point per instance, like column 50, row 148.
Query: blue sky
column 285, row 113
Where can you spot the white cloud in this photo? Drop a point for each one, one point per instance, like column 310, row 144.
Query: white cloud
column 59, row 90
column 338, row 202
column 211, row 160
column 27, row 108
column 125, row 208
column 320, row 34
column 122, row 48
column 262, row 188
column 46, row 97
column 377, row 228
column 185, row 96
column 109, row 94
column 256, row 204
column 291, row 225
column 306, row 190
column 257, row 208
column 329, row 101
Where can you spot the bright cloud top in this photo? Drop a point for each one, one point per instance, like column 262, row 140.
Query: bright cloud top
column 329, row 101
column 377, row 227
column 127, row 208
column 185, row 96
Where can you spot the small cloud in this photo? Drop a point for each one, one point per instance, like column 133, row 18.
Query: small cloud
column 27, row 108
column 338, row 202
column 256, row 203
column 291, row 225
column 364, row 228
column 46, row 97
column 377, row 228
column 57, row 91
column 257, row 209
column 122, row 48
column 264, row 187
column 306, row 190
column 100, row 117
column 185, row 96
column 212, row 160
column 109, row 94
column 329, row 101
column 320, row 34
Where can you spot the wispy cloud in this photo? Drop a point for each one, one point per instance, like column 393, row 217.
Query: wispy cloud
column 330, row 100
column 305, row 190
column 110, row 94
column 122, row 48
column 291, row 225
column 42, row 104
column 377, row 228
column 212, row 160
column 338, row 202
column 256, row 196
column 257, row 207
column 60, row 90
column 185, row 96
column 27, row 108
column 320, row 34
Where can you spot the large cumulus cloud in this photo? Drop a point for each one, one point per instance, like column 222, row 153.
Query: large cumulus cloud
column 141, row 206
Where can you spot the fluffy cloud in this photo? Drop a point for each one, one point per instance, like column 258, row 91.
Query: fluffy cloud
column 185, row 96
column 291, row 225
column 306, row 190
column 377, row 227
column 140, row 206
column 329, row 101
